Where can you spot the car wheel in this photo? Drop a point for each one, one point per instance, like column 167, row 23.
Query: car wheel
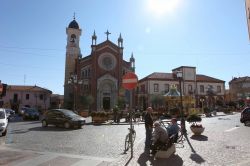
column 247, row 123
column 4, row 133
column 44, row 123
column 66, row 125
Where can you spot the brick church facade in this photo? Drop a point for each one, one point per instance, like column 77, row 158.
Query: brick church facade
column 96, row 79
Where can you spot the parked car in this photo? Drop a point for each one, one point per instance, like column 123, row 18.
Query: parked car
column 21, row 110
column 3, row 122
column 62, row 117
column 30, row 113
column 9, row 112
column 245, row 116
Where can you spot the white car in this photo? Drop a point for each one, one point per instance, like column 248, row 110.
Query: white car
column 3, row 122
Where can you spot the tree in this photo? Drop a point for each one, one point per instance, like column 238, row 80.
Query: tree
column 157, row 101
column 210, row 93
column 86, row 101
column 121, row 102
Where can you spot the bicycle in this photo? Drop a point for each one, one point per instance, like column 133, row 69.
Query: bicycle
column 128, row 138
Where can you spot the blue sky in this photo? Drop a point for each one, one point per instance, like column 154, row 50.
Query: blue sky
column 210, row 35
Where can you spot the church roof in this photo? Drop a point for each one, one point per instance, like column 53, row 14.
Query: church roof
column 73, row 24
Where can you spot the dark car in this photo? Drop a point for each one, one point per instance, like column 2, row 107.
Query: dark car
column 9, row 112
column 62, row 117
column 30, row 113
column 245, row 116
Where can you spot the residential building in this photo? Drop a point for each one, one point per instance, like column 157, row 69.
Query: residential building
column 205, row 89
column 239, row 89
column 56, row 101
column 18, row 96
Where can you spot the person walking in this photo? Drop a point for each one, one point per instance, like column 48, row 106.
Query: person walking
column 148, row 127
column 115, row 113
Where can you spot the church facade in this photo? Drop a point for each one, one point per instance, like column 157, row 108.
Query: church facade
column 94, row 81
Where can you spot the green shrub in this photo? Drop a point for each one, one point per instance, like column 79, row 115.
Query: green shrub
column 193, row 118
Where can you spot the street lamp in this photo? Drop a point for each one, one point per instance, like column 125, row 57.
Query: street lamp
column 74, row 81
column 202, row 104
column 183, row 126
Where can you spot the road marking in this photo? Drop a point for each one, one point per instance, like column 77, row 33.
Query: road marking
column 232, row 129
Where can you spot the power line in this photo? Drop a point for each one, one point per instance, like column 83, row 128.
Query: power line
column 27, row 48
column 29, row 66
column 30, row 53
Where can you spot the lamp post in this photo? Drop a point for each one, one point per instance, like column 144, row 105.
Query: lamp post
column 183, row 126
column 202, row 104
column 74, row 81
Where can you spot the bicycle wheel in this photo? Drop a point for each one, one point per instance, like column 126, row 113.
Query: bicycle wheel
column 127, row 143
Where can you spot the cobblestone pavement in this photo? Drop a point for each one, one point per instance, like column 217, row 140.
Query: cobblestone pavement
column 224, row 142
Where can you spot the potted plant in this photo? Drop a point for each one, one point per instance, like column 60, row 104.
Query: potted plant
column 99, row 117
column 195, row 127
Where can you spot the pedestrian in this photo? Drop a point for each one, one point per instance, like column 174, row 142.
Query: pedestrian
column 160, row 137
column 115, row 112
column 148, row 127
column 173, row 127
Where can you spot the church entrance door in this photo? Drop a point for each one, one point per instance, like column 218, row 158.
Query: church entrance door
column 106, row 103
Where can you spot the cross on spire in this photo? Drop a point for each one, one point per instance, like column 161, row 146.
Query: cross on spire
column 74, row 17
column 107, row 33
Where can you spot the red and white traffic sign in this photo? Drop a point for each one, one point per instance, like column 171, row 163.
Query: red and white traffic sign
column 129, row 81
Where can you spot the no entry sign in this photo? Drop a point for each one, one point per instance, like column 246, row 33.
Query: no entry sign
column 129, row 80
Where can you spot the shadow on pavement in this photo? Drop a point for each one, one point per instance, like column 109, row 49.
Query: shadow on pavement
column 146, row 159
column 18, row 131
column 197, row 158
column 199, row 137
column 49, row 128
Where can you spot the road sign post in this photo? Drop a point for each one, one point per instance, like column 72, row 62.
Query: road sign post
column 129, row 82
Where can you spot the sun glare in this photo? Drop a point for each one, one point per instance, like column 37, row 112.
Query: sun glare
column 161, row 7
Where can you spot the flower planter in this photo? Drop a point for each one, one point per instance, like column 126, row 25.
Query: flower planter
column 197, row 130
column 84, row 114
column 97, row 119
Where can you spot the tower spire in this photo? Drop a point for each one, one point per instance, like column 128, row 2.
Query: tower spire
column 74, row 16
column 94, row 37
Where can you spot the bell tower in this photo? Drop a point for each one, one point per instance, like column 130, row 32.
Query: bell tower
column 73, row 52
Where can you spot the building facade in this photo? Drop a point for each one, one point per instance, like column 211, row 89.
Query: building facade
column 206, row 90
column 239, row 89
column 18, row 96
column 96, row 79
